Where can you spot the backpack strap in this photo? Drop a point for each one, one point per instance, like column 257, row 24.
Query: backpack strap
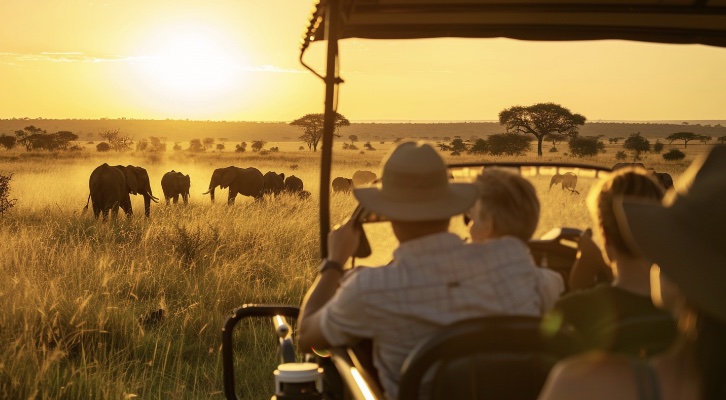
column 646, row 380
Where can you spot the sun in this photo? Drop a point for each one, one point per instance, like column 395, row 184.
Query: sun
column 187, row 62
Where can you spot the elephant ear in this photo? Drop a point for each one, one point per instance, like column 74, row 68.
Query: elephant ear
column 131, row 182
column 282, row 176
column 227, row 178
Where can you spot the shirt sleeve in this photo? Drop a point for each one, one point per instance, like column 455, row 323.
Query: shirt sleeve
column 344, row 319
column 549, row 287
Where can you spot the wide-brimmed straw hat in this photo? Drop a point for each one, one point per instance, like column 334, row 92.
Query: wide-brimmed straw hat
column 415, row 186
column 686, row 234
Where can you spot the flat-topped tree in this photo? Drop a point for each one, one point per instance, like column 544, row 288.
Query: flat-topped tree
column 312, row 126
column 541, row 120
column 684, row 136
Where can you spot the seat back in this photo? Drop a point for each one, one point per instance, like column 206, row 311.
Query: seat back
column 641, row 336
column 503, row 357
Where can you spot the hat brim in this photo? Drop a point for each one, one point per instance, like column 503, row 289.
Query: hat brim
column 655, row 232
column 460, row 197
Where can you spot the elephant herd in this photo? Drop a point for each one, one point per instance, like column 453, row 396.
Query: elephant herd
column 360, row 178
column 111, row 186
column 568, row 180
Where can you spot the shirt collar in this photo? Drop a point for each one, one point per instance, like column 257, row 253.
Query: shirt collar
column 438, row 242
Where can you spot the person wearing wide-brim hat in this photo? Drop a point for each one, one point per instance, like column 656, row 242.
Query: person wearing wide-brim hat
column 685, row 236
column 434, row 279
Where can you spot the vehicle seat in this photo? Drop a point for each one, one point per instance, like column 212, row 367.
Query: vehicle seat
column 502, row 357
column 643, row 336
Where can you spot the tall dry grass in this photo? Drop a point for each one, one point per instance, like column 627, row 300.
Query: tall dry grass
column 78, row 296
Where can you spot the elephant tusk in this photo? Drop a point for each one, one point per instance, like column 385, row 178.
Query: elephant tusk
column 207, row 192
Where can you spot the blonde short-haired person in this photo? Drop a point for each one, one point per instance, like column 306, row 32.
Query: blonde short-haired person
column 685, row 236
column 434, row 279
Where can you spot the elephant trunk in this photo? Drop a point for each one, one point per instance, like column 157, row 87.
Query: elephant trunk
column 210, row 192
column 147, row 204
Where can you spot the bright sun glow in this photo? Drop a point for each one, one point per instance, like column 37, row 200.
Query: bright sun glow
column 189, row 63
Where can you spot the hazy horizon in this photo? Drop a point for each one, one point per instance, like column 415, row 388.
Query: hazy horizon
column 226, row 61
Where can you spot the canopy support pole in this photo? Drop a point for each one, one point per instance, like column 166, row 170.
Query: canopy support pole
column 332, row 14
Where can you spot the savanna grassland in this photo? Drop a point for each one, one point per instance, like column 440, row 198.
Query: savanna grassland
column 78, row 295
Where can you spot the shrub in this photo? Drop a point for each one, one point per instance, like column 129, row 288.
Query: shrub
column 103, row 146
column 585, row 146
column 553, row 150
column 658, row 147
column 301, row 148
column 620, row 155
column 480, row 146
column 5, row 203
column 264, row 152
column 674, row 155
column 637, row 144
column 7, row 141
column 274, row 149
column 510, row 144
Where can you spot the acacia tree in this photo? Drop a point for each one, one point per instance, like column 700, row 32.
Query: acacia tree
column 704, row 138
column 684, row 136
column 541, row 120
column 722, row 139
column 117, row 140
column 312, row 127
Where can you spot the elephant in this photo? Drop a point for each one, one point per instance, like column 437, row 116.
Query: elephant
column 343, row 185
column 627, row 164
column 244, row 181
column 274, row 183
column 664, row 178
column 110, row 188
column 293, row 184
column 568, row 181
column 361, row 178
column 174, row 184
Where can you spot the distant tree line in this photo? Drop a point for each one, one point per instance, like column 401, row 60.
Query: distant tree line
column 33, row 138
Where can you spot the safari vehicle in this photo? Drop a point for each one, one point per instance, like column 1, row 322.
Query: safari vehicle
column 511, row 356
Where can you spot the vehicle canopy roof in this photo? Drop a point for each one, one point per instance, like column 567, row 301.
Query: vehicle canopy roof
column 665, row 21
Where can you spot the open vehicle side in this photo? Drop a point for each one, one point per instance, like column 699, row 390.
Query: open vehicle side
column 684, row 22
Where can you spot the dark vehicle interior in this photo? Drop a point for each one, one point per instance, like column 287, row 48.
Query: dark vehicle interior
column 496, row 357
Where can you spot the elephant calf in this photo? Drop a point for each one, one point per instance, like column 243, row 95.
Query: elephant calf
column 342, row 185
column 568, row 181
column 174, row 184
column 274, row 183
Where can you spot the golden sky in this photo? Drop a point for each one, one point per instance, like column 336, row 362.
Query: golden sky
column 238, row 60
